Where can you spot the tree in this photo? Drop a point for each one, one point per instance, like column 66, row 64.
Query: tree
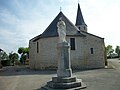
column 24, row 52
column 4, row 56
column 13, row 57
column 109, row 50
column 117, row 50
column 20, row 50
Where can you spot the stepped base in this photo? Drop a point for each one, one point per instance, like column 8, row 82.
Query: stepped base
column 69, row 83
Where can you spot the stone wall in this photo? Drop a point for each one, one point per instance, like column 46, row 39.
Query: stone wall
column 97, row 59
column 81, row 58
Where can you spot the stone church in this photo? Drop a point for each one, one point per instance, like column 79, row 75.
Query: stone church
column 87, row 50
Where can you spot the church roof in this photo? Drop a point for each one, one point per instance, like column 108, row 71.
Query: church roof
column 1, row 50
column 51, row 30
column 79, row 18
column 71, row 29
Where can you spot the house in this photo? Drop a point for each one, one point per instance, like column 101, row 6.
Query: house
column 87, row 50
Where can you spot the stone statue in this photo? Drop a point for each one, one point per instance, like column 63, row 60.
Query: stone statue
column 61, row 30
column 64, row 79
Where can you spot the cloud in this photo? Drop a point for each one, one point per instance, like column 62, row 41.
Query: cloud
column 60, row 0
column 104, row 21
column 101, row 16
column 26, row 21
column 8, row 40
column 11, row 38
column 7, row 17
column 16, row 32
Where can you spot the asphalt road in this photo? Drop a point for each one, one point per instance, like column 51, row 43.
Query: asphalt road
column 102, row 79
column 22, row 78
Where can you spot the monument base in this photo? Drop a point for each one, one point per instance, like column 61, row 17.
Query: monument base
column 67, row 83
column 64, row 79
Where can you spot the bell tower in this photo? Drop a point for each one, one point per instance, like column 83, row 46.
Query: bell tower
column 80, row 23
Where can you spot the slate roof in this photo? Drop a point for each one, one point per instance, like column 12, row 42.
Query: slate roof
column 91, row 34
column 71, row 29
column 51, row 30
column 79, row 18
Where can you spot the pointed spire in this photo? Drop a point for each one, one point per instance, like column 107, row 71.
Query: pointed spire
column 79, row 18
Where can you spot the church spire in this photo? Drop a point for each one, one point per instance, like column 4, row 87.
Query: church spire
column 80, row 23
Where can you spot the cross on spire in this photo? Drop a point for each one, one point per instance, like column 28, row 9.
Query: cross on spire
column 60, row 9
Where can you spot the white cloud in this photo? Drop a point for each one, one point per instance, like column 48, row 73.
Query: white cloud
column 7, row 17
column 5, row 33
column 60, row 0
column 20, row 31
column 101, row 16
column 8, row 40
column 105, row 21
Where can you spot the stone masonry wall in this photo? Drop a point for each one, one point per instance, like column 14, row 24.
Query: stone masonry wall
column 81, row 58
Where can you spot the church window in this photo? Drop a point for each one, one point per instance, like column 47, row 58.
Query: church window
column 91, row 49
column 79, row 28
column 72, row 43
column 37, row 47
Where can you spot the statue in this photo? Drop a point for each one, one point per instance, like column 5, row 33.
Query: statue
column 61, row 30
column 64, row 79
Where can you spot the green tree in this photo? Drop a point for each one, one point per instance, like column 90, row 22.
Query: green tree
column 20, row 50
column 24, row 52
column 117, row 50
column 109, row 50
column 13, row 57
column 4, row 56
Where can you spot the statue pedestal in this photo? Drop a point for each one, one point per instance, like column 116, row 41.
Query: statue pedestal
column 64, row 79
column 64, row 69
column 67, row 83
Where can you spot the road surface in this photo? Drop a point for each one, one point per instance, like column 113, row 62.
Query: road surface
column 22, row 78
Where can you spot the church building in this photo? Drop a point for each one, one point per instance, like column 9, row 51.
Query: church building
column 87, row 51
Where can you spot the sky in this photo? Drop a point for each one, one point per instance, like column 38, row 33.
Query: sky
column 21, row 20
